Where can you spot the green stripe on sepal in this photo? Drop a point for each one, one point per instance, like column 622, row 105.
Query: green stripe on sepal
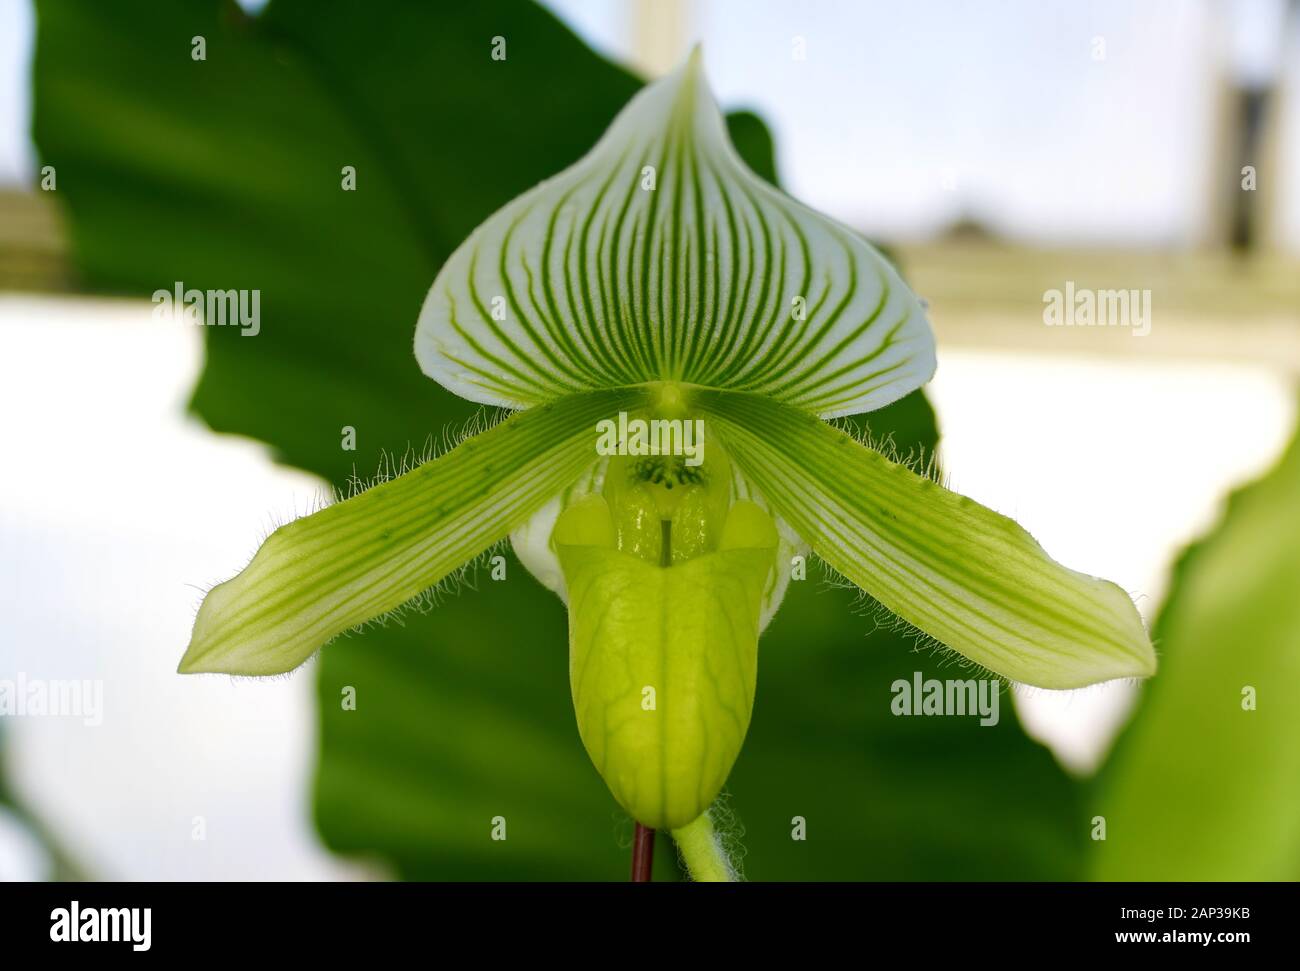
column 663, row 659
column 967, row 576
column 660, row 256
column 326, row 573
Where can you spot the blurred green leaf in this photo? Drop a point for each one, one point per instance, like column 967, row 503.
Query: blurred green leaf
column 1200, row 787
column 226, row 173
column 61, row 865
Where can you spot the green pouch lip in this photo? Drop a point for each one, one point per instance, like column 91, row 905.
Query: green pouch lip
column 682, row 639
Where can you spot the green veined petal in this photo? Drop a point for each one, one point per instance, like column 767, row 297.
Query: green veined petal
column 967, row 576
column 712, row 277
column 326, row 573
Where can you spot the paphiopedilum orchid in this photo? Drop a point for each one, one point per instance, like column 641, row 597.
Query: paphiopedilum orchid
column 659, row 280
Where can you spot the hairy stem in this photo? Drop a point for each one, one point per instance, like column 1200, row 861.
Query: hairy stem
column 702, row 852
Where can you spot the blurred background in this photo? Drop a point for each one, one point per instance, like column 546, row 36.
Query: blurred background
column 998, row 150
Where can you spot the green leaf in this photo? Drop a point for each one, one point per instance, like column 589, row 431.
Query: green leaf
column 1205, row 782
column 885, row 797
column 351, row 562
column 661, row 257
column 972, row 579
column 226, row 173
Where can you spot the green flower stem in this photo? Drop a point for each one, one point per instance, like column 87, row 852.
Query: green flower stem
column 702, row 851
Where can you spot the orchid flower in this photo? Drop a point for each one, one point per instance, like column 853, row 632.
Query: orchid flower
column 659, row 278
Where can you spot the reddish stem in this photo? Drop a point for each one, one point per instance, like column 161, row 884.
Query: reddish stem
column 643, row 853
